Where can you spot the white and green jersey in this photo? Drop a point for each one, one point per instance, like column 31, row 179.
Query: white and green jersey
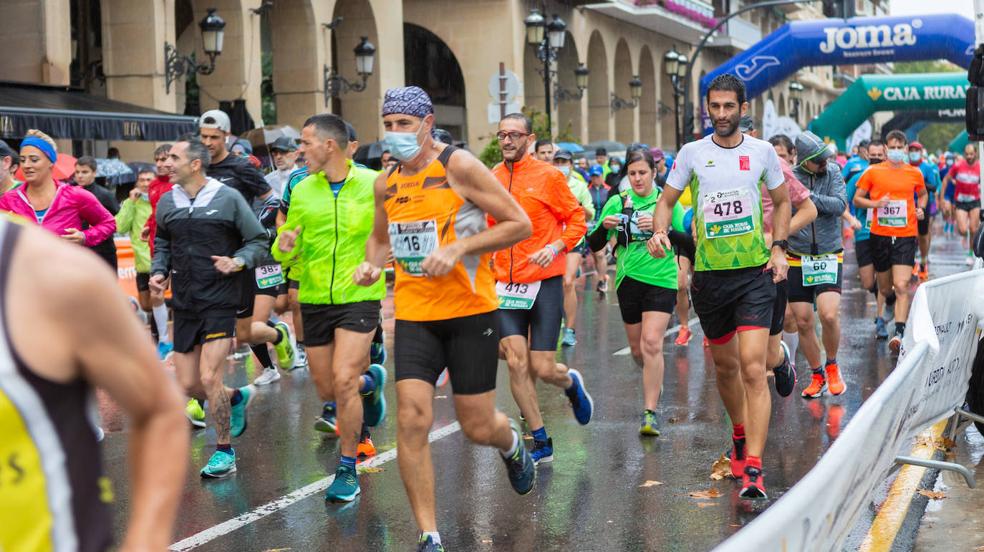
column 725, row 184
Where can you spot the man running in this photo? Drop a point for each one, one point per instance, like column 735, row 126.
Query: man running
column 931, row 179
column 888, row 190
column 599, row 197
column 283, row 152
column 816, row 257
column 544, row 150
column 965, row 179
column 563, row 160
column 325, row 232
column 733, row 288
column 529, row 280
column 81, row 334
column 431, row 213
column 206, row 234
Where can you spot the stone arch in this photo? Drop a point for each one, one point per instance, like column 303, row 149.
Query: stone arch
column 623, row 73
column 569, row 120
column 648, row 108
column 599, row 100
column 295, row 45
column 431, row 65
column 360, row 109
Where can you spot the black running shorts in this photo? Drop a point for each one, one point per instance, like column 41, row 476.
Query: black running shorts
column 250, row 287
column 635, row 298
column 467, row 346
column 143, row 281
column 968, row 205
column 192, row 330
column 321, row 321
column 862, row 251
column 799, row 293
column 779, row 309
column 729, row 301
column 541, row 322
column 887, row 251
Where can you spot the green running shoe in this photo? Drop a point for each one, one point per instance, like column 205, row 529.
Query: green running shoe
column 650, row 426
column 195, row 413
column 345, row 487
column 237, row 422
column 219, row 465
column 286, row 348
column 326, row 423
column 374, row 403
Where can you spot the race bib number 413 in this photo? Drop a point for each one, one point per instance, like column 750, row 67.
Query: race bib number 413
column 517, row 296
column 728, row 213
column 412, row 242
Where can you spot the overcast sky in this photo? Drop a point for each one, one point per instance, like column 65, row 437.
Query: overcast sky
column 919, row 7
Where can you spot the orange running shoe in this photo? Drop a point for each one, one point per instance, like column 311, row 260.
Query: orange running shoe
column 834, row 381
column 816, row 388
column 737, row 457
column 915, row 269
column 924, row 273
column 683, row 339
column 366, row 449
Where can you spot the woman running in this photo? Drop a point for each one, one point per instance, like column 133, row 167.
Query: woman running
column 646, row 286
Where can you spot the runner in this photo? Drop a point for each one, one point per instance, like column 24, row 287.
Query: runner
column 857, row 163
column 283, row 151
column 563, row 160
column 85, row 178
column 889, row 189
column 965, row 179
column 65, row 330
column 206, row 233
column 158, row 187
column 444, row 295
column 735, row 274
column 9, row 161
column 931, row 179
column 544, row 150
column 529, row 281
column 599, row 196
column 645, row 285
column 130, row 221
column 294, row 275
column 946, row 192
column 816, row 258
column 326, row 232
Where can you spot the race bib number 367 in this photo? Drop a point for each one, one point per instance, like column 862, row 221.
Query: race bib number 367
column 728, row 213
column 894, row 215
column 412, row 242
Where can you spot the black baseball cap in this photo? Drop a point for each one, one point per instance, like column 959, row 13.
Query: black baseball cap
column 7, row 151
column 563, row 154
column 284, row 143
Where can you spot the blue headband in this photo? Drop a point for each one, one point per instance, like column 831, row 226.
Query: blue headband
column 45, row 147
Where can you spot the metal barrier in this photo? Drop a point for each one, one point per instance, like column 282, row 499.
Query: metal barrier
column 928, row 384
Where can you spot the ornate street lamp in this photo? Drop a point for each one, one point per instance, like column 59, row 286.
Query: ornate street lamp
column 176, row 65
column 580, row 80
column 548, row 40
column 336, row 85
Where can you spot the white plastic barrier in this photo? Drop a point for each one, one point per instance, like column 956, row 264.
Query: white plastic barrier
column 929, row 381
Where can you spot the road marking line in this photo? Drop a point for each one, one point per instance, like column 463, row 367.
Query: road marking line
column 274, row 506
column 624, row 351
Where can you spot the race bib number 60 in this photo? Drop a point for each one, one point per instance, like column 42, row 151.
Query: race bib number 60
column 820, row 269
column 728, row 213
column 412, row 242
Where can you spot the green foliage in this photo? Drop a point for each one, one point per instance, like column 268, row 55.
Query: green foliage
column 267, row 95
column 937, row 136
column 940, row 66
column 490, row 154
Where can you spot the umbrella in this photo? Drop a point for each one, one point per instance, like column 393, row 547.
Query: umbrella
column 370, row 155
column 64, row 168
column 139, row 166
column 570, row 146
column 260, row 137
column 115, row 172
column 609, row 145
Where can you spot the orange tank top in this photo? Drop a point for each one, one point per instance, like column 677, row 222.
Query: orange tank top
column 425, row 213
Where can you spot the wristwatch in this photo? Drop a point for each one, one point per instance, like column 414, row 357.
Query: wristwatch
column 240, row 263
column 783, row 244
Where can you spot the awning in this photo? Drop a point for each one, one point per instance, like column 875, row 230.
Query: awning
column 67, row 113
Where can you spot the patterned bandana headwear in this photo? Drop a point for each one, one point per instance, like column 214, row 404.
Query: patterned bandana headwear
column 408, row 100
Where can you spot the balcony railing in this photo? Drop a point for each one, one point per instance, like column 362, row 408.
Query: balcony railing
column 694, row 10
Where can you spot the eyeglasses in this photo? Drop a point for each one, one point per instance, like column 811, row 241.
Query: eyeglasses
column 513, row 136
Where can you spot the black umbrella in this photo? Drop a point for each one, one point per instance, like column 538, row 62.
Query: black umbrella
column 140, row 166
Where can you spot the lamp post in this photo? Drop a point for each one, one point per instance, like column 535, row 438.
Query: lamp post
column 548, row 40
column 795, row 90
column 176, row 65
column 675, row 66
column 335, row 84
column 635, row 89
column 562, row 94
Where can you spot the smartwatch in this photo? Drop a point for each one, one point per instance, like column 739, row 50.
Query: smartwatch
column 783, row 244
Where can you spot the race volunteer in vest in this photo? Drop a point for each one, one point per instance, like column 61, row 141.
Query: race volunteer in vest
column 529, row 280
column 206, row 235
column 965, row 179
column 65, row 329
column 931, row 179
column 889, row 189
column 563, row 160
column 430, row 211
column 735, row 275
column 645, row 285
column 816, row 256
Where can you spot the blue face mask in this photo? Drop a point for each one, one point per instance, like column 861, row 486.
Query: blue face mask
column 915, row 156
column 897, row 155
column 402, row 145
column 566, row 171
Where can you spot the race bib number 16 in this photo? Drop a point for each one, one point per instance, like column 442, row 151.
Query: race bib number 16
column 412, row 242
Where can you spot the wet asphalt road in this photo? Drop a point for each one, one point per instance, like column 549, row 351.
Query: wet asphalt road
column 598, row 494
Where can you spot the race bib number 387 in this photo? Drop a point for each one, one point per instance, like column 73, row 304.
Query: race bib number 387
column 728, row 213
column 412, row 242
column 268, row 276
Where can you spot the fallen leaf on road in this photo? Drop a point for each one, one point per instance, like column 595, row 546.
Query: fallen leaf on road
column 650, row 483
column 721, row 468
column 703, row 495
column 705, row 504
column 369, row 469
column 949, row 444
column 935, row 495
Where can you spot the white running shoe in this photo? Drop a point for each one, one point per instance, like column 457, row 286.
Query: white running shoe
column 268, row 376
column 300, row 359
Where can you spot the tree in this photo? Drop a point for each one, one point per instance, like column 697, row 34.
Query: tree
column 939, row 66
column 490, row 154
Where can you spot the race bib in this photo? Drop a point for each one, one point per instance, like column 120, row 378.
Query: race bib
column 894, row 215
column 728, row 213
column 517, row 296
column 269, row 276
column 412, row 242
column 965, row 198
column 868, row 218
column 819, row 269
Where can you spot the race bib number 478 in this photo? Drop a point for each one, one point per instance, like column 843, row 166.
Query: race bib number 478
column 728, row 213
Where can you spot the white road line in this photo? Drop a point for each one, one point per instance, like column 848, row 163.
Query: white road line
column 675, row 329
column 279, row 504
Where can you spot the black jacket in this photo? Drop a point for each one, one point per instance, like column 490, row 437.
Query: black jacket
column 239, row 174
column 217, row 221
column 107, row 248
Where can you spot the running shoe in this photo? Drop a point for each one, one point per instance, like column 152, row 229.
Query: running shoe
column 881, row 330
column 377, row 353
column 569, row 340
column 602, row 285
column 427, row 544
column 374, row 403
column 542, row 451
column 520, row 466
column 286, row 348
column 164, row 350
column 817, row 387
column 365, row 449
column 237, row 417
column 345, row 487
column 834, row 381
column 580, row 399
column 650, row 425
column 895, row 344
column 753, row 484
column 219, row 465
column 915, row 269
column 785, row 379
column 268, row 376
column 683, row 338
column 301, row 361
column 326, row 423
column 737, row 457
column 924, row 272
column 442, row 379
column 195, row 413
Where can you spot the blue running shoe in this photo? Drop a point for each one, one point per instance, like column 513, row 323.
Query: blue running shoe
column 219, row 465
column 881, row 331
column 164, row 350
column 374, row 403
column 427, row 544
column 326, row 423
column 520, row 466
column 581, row 401
column 542, row 451
column 237, row 421
column 345, row 487
column 377, row 351
column 569, row 339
